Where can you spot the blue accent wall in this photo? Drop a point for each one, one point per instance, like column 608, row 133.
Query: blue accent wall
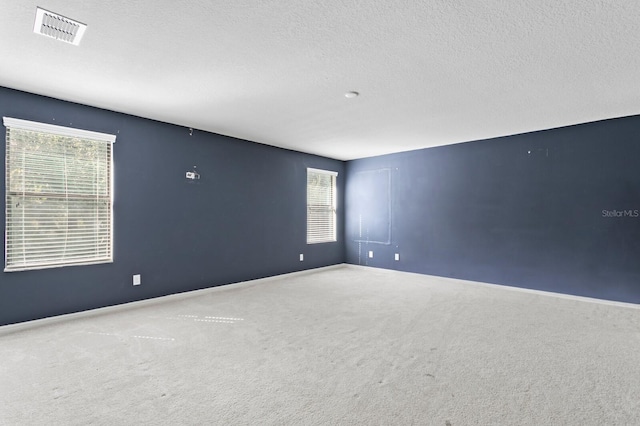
column 555, row 210
column 244, row 219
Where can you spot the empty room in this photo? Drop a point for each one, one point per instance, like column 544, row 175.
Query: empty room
column 320, row 213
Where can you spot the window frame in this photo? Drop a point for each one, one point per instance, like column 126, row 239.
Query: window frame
column 332, row 208
column 13, row 124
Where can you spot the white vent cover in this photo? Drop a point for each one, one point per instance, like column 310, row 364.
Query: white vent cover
column 57, row 26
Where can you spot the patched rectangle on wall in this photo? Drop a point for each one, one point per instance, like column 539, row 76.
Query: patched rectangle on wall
column 370, row 206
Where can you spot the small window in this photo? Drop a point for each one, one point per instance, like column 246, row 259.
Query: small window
column 321, row 206
column 58, row 196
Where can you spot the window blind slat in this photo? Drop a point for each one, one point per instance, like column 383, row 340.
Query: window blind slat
column 321, row 206
column 58, row 196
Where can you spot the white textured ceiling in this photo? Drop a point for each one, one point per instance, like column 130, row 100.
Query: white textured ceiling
column 430, row 72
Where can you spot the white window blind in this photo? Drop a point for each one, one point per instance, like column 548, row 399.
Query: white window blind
column 58, row 196
column 321, row 206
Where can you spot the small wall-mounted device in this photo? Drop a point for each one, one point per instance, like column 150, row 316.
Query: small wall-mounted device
column 193, row 175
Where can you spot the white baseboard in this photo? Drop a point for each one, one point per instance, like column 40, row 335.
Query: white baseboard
column 160, row 299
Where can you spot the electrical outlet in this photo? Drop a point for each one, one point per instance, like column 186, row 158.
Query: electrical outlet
column 301, row 257
column 370, row 254
column 397, row 256
column 136, row 279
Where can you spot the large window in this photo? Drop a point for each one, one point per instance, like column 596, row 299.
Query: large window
column 321, row 206
column 58, row 196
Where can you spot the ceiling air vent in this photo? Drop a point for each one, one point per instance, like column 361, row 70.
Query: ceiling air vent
column 57, row 26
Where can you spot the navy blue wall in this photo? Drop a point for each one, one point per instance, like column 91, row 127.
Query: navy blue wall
column 524, row 210
column 244, row 219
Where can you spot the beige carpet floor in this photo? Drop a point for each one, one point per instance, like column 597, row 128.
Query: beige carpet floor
column 346, row 345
